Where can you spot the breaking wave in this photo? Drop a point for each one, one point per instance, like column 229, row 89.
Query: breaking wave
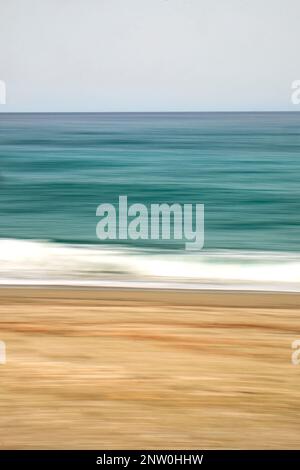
column 39, row 262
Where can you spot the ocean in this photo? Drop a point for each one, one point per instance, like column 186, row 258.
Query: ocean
column 55, row 169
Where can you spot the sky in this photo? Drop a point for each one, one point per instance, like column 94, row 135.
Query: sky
column 149, row 55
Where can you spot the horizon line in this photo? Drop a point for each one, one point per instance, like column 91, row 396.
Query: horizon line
column 152, row 112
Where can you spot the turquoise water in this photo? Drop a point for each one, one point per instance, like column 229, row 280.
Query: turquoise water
column 55, row 169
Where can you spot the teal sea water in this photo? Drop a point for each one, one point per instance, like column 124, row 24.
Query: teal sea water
column 55, row 169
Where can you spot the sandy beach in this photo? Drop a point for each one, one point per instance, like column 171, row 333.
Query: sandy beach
column 109, row 369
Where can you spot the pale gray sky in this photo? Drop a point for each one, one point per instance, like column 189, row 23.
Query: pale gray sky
column 149, row 55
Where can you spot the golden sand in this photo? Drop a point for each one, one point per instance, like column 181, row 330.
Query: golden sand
column 109, row 369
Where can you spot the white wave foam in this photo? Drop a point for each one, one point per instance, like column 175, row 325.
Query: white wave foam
column 47, row 263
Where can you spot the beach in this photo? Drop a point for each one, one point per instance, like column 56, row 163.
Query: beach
column 148, row 369
column 149, row 232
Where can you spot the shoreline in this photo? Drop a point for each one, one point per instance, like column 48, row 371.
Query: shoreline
column 206, row 297
column 149, row 286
